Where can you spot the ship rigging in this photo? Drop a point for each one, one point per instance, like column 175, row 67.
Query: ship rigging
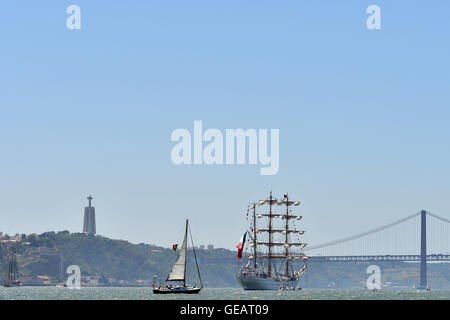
column 274, row 257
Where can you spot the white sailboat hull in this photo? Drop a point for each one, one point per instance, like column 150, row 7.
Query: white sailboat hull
column 178, row 289
column 257, row 283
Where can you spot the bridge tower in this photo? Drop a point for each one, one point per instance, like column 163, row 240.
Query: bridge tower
column 423, row 250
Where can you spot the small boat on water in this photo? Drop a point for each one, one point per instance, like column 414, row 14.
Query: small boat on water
column 13, row 273
column 285, row 286
column 178, row 272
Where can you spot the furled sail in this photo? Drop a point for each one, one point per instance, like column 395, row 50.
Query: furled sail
column 279, row 215
column 284, row 257
column 299, row 244
column 280, row 231
column 288, row 203
column 178, row 272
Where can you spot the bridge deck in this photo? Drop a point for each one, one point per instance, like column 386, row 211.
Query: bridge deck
column 431, row 257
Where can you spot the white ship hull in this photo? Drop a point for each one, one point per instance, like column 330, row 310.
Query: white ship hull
column 256, row 283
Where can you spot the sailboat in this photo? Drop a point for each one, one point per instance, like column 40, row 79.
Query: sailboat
column 13, row 279
column 178, row 272
column 274, row 259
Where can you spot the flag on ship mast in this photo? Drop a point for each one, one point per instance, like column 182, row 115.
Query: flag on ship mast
column 240, row 246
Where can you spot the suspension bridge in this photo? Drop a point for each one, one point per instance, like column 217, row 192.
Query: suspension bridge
column 421, row 237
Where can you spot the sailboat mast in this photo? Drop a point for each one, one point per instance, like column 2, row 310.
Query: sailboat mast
column 269, row 269
column 185, row 260
column 254, row 235
column 287, row 237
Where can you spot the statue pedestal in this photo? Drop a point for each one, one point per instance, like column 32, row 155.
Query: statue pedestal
column 89, row 220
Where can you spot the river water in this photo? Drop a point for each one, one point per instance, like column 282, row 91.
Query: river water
column 109, row 293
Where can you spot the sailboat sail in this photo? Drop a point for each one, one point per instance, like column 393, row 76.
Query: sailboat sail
column 178, row 272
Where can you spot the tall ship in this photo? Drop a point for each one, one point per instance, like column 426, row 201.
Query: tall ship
column 270, row 252
column 176, row 280
column 13, row 273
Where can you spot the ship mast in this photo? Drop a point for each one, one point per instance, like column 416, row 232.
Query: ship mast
column 10, row 263
column 269, row 269
column 254, row 235
column 14, row 264
column 287, row 237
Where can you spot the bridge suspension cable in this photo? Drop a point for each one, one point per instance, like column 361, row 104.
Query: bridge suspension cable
column 360, row 235
column 438, row 217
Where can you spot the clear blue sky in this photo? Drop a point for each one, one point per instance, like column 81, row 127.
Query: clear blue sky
column 363, row 115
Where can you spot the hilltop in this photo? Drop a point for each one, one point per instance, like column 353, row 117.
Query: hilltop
column 113, row 262
column 119, row 262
